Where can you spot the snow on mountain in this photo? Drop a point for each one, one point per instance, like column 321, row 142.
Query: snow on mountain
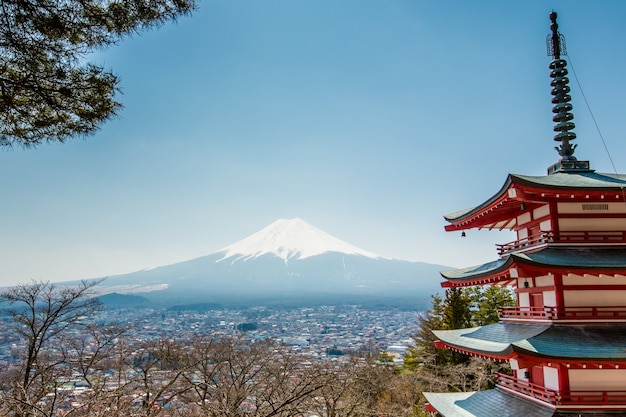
column 290, row 239
column 287, row 261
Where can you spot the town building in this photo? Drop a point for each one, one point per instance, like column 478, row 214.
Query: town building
column 566, row 339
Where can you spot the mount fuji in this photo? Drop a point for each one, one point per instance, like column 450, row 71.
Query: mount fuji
column 289, row 259
column 290, row 239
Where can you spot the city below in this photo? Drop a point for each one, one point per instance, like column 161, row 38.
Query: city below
column 313, row 332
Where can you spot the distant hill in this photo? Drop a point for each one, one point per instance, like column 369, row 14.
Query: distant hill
column 288, row 260
column 123, row 300
column 197, row 307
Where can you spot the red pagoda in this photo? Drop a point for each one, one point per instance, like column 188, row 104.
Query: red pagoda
column 566, row 339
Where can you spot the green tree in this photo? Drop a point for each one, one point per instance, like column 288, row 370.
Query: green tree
column 47, row 90
column 456, row 311
column 433, row 369
column 453, row 312
column 486, row 302
column 385, row 359
column 424, row 350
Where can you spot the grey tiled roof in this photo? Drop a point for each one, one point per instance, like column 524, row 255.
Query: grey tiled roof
column 495, row 339
column 583, row 257
column 576, row 180
column 560, row 180
column 598, row 342
column 595, row 258
column 593, row 342
column 476, row 270
column 490, row 403
column 590, row 414
column 497, row 403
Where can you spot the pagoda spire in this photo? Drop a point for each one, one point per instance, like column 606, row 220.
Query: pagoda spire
column 562, row 108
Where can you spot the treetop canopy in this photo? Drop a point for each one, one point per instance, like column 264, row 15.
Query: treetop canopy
column 46, row 92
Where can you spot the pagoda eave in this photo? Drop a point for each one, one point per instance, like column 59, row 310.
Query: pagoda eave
column 494, row 402
column 497, row 280
column 499, row 356
column 583, row 345
column 548, row 260
column 501, row 210
column 526, row 359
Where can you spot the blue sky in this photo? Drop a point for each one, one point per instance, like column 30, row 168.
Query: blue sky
column 369, row 119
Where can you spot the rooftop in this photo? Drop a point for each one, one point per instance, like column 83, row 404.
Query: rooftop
column 556, row 342
column 568, row 259
column 501, row 210
column 491, row 403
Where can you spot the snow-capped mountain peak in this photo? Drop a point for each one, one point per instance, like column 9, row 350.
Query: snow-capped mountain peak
column 290, row 239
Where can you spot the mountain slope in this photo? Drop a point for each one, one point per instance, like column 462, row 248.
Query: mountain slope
column 290, row 239
column 289, row 258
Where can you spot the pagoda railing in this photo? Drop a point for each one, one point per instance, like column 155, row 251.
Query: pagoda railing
column 587, row 397
column 594, row 397
column 608, row 313
column 584, row 237
column 527, row 388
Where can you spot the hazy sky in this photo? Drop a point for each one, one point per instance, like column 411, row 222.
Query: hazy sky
column 369, row 119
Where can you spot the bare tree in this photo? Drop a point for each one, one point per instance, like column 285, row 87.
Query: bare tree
column 233, row 378
column 403, row 396
column 352, row 389
column 40, row 314
column 98, row 357
column 158, row 368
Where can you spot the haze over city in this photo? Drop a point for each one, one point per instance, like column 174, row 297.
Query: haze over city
column 370, row 120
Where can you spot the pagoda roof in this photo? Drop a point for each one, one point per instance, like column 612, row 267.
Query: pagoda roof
column 507, row 340
column 574, row 180
column 500, row 211
column 498, row 403
column 489, row 403
column 579, row 259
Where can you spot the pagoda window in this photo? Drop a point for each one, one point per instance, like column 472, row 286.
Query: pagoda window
column 545, row 226
column 522, row 234
column 549, row 299
column 574, row 279
column 600, row 295
column 591, row 208
column 594, row 298
column 523, row 218
column 522, row 374
column 540, row 212
column 551, row 378
column 597, row 379
column 545, row 281
column 523, row 299
column 603, row 224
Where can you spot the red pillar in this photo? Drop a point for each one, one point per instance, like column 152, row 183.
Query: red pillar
column 563, row 379
column 558, row 289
